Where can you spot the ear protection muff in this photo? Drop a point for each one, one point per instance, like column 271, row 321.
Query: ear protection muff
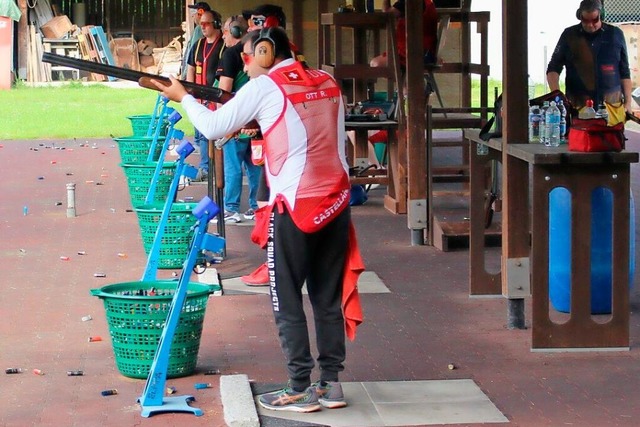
column 235, row 30
column 581, row 9
column 264, row 49
column 217, row 20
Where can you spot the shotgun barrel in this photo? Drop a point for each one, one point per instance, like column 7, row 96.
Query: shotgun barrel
column 143, row 79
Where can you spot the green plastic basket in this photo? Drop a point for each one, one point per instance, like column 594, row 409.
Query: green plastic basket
column 140, row 125
column 177, row 236
column 139, row 176
column 136, row 320
column 135, row 149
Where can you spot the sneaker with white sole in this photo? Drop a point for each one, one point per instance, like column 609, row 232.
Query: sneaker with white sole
column 288, row 399
column 229, row 218
column 232, row 218
column 330, row 394
column 249, row 215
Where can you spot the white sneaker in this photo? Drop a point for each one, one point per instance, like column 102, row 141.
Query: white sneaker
column 229, row 218
column 232, row 218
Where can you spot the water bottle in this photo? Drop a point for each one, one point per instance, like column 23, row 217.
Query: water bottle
column 552, row 123
column 534, row 124
column 587, row 111
column 602, row 112
column 544, row 136
column 563, row 121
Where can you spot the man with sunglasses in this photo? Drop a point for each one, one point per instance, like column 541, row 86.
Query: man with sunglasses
column 308, row 231
column 196, row 10
column 265, row 16
column 594, row 54
column 237, row 150
column 202, row 66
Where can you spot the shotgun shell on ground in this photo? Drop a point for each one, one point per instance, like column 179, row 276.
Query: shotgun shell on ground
column 199, row 386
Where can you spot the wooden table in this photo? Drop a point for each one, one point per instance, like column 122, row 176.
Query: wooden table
column 393, row 176
column 580, row 173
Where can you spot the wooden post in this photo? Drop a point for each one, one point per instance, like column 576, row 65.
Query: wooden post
column 515, row 173
column 416, row 150
column 296, row 25
column 23, row 41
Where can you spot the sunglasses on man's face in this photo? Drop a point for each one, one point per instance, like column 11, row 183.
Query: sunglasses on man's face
column 246, row 57
column 592, row 21
column 205, row 23
column 258, row 22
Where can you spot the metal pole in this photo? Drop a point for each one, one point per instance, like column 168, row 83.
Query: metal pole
column 417, row 237
column 515, row 313
column 544, row 71
column 71, row 200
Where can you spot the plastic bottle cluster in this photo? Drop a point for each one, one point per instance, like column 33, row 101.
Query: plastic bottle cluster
column 548, row 124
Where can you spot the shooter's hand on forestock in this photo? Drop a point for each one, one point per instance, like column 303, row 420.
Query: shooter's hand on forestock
column 174, row 92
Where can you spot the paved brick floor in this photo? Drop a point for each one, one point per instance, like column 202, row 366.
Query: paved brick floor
column 427, row 321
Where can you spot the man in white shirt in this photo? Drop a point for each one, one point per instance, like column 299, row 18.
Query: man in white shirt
column 307, row 229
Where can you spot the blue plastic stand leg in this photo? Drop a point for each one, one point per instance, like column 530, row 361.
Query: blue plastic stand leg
column 184, row 150
column 173, row 119
column 172, row 404
column 166, row 111
column 160, row 103
column 152, row 399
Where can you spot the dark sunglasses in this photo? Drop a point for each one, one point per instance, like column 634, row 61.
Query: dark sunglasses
column 259, row 21
column 593, row 21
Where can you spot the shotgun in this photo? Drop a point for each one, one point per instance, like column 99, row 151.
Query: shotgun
column 208, row 93
column 628, row 116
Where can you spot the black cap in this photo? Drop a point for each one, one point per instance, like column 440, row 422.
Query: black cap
column 267, row 10
column 200, row 5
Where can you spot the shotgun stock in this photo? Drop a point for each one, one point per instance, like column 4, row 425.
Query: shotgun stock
column 208, row 93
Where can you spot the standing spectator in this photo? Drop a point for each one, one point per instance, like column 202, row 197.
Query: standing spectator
column 310, row 236
column 237, row 150
column 265, row 16
column 594, row 54
column 429, row 33
column 202, row 65
column 196, row 10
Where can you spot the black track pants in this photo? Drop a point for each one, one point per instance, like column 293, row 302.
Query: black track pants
column 319, row 258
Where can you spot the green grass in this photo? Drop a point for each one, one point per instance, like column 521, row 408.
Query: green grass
column 98, row 111
column 475, row 91
column 75, row 111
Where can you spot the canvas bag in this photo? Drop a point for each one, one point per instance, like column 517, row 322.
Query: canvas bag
column 593, row 135
column 494, row 122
